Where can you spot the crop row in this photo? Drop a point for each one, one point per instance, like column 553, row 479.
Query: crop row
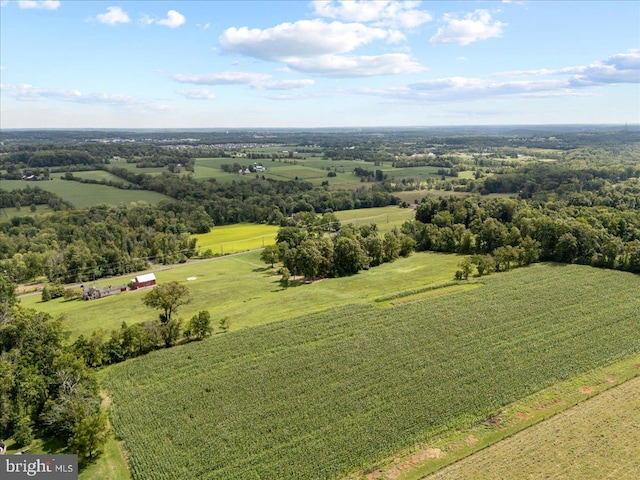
column 330, row 393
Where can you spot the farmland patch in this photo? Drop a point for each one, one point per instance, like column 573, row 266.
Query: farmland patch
column 324, row 395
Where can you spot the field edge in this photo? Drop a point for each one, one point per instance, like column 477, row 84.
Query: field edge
column 422, row 460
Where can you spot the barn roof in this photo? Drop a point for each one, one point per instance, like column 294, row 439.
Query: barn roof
column 147, row 277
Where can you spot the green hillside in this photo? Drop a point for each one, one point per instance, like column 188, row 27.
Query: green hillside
column 327, row 394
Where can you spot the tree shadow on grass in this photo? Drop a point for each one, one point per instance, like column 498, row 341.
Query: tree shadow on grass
column 52, row 445
column 292, row 284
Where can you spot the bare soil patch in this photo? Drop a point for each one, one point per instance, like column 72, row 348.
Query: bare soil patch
column 416, row 459
column 31, row 287
column 522, row 415
column 587, row 390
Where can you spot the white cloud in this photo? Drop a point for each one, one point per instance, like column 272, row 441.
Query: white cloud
column 356, row 66
column 383, row 13
column 569, row 81
column 203, row 27
column 619, row 68
column 259, row 81
column 284, row 84
column 113, row 16
column 173, row 20
column 304, row 38
column 313, row 46
column 224, row 78
column 472, row 27
column 30, row 93
column 38, row 4
column 197, row 94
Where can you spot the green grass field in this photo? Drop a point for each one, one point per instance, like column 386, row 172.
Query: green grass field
column 247, row 291
column 342, row 390
column 10, row 212
column 83, row 195
column 386, row 218
column 101, row 175
column 312, row 169
column 594, row 440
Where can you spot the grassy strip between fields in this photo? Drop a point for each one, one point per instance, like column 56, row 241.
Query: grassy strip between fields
column 413, row 291
column 425, row 459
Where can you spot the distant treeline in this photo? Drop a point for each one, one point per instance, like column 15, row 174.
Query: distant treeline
column 256, row 200
column 524, row 231
column 39, row 156
column 559, row 178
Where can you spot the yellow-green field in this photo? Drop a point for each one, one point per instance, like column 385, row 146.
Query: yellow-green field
column 386, row 218
column 227, row 239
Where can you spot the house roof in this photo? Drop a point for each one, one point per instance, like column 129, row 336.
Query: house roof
column 147, row 277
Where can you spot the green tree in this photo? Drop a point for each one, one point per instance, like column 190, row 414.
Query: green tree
column 200, row 324
column 308, row 259
column 485, row 264
column 8, row 296
column 466, row 267
column 530, row 251
column 270, row 254
column 23, row 434
column 349, row 256
column 567, row 248
column 46, row 296
column 167, row 297
column 170, row 331
column 391, row 246
column 286, row 276
column 90, row 435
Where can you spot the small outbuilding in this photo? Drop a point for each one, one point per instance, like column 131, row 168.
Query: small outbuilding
column 146, row 280
column 93, row 293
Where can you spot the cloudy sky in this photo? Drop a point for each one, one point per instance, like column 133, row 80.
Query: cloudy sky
column 217, row 64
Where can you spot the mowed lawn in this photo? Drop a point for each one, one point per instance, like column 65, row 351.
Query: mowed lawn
column 324, row 395
column 597, row 439
column 247, row 291
column 84, row 195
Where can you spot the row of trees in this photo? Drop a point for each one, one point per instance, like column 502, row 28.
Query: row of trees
column 45, row 389
column 526, row 231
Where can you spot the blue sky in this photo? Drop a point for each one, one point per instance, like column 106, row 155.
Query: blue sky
column 218, row 64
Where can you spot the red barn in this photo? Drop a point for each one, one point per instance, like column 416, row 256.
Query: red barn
column 146, row 280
